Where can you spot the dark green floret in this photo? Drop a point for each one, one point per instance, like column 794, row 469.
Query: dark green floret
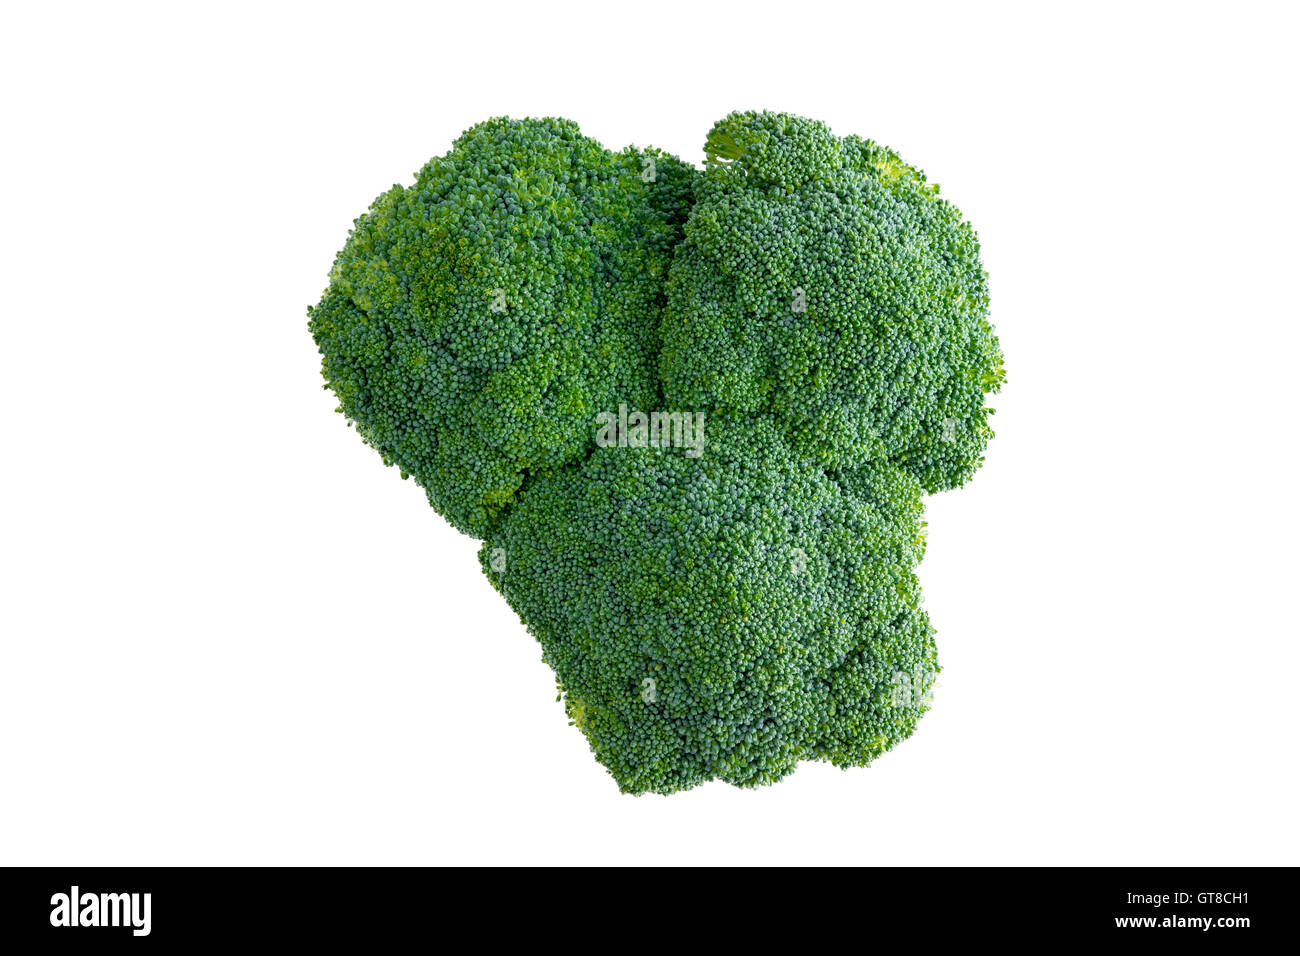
column 476, row 321
column 723, row 616
column 823, row 280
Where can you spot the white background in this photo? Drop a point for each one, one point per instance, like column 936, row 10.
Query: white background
column 231, row 636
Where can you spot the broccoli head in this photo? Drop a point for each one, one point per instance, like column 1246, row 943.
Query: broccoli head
column 822, row 279
column 722, row 617
column 728, row 588
column 477, row 321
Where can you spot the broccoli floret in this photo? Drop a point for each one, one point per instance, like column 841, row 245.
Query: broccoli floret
column 823, row 280
column 724, row 616
column 477, row 321
column 740, row 594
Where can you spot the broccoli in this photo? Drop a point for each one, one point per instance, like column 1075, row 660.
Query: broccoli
column 728, row 588
column 722, row 617
column 476, row 322
column 824, row 281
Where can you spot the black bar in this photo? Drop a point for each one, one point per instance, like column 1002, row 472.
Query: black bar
column 385, row 906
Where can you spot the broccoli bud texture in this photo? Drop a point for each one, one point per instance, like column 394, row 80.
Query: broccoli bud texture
column 692, row 415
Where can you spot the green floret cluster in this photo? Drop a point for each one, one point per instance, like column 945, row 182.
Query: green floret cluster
column 477, row 321
column 823, row 280
column 737, row 592
column 722, row 617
